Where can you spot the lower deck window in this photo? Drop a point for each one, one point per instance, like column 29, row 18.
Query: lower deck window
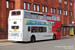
column 38, row 29
column 33, row 29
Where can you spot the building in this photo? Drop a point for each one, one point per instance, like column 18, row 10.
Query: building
column 64, row 8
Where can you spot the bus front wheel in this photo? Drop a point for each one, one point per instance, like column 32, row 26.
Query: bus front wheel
column 54, row 37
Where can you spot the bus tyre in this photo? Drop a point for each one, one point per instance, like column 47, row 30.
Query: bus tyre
column 54, row 37
column 32, row 39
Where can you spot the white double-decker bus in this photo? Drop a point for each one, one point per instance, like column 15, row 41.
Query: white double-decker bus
column 28, row 26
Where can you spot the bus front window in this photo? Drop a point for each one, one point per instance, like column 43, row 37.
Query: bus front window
column 59, row 29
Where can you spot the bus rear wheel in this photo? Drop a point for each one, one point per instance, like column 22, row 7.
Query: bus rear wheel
column 54, row 37
column 33, row 39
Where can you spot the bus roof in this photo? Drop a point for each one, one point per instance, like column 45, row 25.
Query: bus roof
column 35, row 12
column 28, row 11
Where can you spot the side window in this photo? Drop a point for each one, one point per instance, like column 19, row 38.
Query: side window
column 42, row 29
column 44, row 17
column 28, row 28
column 27, row 15
column 34, row 16
column 54, row 18
column 38, row 29
column 33, row 29
column 58, row 18
column 49, row 17
column 40, row 16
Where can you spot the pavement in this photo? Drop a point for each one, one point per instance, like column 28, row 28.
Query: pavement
column 3, row 40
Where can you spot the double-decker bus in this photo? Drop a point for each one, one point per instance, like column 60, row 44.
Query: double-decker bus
column 32, row 26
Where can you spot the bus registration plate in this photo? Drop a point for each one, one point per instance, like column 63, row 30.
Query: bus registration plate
column 15, row 30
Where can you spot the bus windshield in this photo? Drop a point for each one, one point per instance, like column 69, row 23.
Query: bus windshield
column 59, row 29
column 16, row 13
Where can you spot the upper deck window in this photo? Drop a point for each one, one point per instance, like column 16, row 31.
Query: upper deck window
column 44, row 17
column 58, row 18
column 40, row 16
column 54, row 18
column 27, row 15
column 48, row 17
column 34, row 16
column 16, row 12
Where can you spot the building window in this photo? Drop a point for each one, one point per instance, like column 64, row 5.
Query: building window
column 71, row 4
column 7, row 4
column 51, row 10
column 37, row 7
column 60, row 1
column 28, row 6
column 54, row 10
column 24, row 5
column 46, row 9
column 43, row 8
column 34, row 7
column 71, row 13
column 66, row 12
column 60, row 12
column 65, row 2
